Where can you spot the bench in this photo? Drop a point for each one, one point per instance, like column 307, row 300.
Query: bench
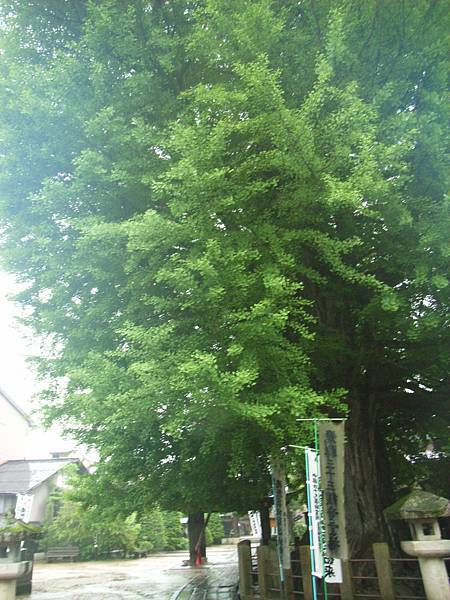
column 138, row 553
column 70, row 552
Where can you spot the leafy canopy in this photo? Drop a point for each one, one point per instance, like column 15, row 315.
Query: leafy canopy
column 228, row 215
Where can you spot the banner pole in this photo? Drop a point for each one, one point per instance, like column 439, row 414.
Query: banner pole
column 279, row 548
column 321, row 540
column 310, row 531
column 325, row 419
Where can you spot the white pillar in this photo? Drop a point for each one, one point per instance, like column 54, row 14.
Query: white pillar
column 9, row 573
column 7, row 589
column 435, row 580
column 432, row 566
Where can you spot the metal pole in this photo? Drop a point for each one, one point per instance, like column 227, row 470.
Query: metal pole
column 325, row 419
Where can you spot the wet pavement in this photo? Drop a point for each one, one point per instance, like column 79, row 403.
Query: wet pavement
column 219, row 583
column 159, row 577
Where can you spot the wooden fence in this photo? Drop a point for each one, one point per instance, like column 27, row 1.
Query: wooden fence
column 378, row 576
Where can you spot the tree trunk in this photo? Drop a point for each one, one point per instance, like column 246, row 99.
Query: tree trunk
column 368, row 485
column 196, row 529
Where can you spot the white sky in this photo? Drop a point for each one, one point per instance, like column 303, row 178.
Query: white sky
column 16, row 376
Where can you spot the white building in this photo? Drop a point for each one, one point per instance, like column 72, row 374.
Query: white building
column 25, row 486
column 15, row 428
column 26, row 483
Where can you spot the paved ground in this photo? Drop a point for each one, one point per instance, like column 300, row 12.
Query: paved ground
column 217, row 583
column 158, row 577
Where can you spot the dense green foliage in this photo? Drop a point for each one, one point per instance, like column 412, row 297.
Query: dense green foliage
column 214, row 530
column 153, row 532
column 162, row 530
column 229, row 215
column 95, row 534
column 98, row 531
column 16, row 530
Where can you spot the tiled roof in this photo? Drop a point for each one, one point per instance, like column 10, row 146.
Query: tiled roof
column 20, row 476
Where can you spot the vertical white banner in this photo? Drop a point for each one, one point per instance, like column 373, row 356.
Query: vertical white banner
column 279, row 490
column 313, row 484
column 322, row 565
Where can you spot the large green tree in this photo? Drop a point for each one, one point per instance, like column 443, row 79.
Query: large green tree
column 230, row 215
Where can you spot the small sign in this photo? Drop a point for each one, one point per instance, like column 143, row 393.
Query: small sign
column 255, row 522
column 24, row 505
column 332, row 569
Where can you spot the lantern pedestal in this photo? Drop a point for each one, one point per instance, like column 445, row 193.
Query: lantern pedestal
column 432, row 567
column 9, row 573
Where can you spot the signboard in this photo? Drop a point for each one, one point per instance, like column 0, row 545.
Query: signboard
column 24, row 505
column 279, row 493
column 332, row 569
column 255, row 522
column 331, row 444
column 322, row 565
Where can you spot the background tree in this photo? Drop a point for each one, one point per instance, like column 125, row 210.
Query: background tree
column 76, row 517
column 161, row 530
column 96, row 534
column 176, row 538
column 230, row 215
column 153, row 532
column 214, row 530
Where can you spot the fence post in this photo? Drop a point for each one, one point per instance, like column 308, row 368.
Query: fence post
column 262, row 552
column 273, row 580
column 305, row 565
column 384, row 570
column 245, row 570
column 346, row 587
column 288, row 584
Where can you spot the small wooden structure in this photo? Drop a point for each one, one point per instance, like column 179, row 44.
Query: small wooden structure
column 379, row 576
column 62, row 552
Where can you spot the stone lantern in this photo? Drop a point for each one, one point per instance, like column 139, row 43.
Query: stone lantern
column 421, row 511
column 11, row 566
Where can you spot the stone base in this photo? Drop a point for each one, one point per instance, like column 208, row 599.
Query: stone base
column 432, row 567
column 9, row 573
column 431, row 549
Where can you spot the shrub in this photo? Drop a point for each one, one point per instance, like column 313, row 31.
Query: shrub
column 214, row 530
column 96, row 534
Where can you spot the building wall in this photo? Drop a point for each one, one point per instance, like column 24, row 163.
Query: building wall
column 41, row 494
column 13, row 432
